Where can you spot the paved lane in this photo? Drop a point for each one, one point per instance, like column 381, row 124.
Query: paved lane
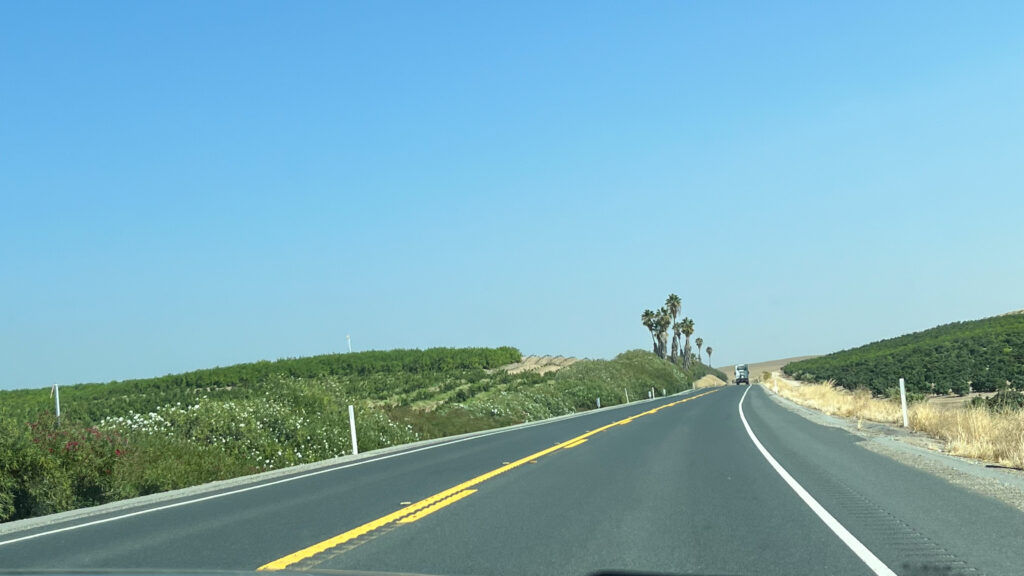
column 673, row 486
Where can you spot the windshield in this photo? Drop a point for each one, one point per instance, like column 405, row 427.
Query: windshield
column 440, row 287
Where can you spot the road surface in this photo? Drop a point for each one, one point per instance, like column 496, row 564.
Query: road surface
column 691, row 484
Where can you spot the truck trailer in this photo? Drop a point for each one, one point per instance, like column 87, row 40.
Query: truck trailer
column 742, row 374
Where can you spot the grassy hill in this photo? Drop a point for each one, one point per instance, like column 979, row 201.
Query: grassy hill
column 983, row 355
column 130, row 438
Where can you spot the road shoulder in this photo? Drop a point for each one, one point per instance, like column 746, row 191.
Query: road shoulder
column 923, row 453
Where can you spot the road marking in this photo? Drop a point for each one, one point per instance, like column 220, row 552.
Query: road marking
column 302, row 476
column 851, row 541
column 431, row 509
column 446, row 497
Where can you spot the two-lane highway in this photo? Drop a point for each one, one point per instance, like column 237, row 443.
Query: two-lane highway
column 676, row 485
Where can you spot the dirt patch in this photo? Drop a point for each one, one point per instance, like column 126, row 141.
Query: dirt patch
column 957, row 401
column 709, row 381
column 540, row 364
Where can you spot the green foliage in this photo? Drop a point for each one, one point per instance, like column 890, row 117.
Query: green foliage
column 46, row 468
column 157, row 463
column 982, row 354
column 577, row 387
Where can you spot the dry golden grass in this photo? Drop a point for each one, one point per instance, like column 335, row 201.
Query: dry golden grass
column 708, row 381
column 996, row 437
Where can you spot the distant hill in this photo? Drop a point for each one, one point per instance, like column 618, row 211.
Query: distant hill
column 982, row 355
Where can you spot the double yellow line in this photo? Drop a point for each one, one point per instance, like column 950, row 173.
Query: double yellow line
column 428, row 506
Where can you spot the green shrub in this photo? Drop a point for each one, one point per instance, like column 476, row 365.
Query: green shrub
column 1001, row 401
column 48, row 468
column 156, row 463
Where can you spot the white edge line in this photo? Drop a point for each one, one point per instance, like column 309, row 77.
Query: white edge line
column 851, row 541
column 309, row 474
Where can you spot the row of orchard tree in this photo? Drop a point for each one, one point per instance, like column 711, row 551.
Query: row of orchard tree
column 660, row 322
column 980, row 355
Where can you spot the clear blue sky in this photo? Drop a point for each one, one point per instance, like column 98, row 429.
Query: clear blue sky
column 191, row 184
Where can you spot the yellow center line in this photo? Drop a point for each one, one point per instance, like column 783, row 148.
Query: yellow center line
column 576, row 443
column 429, row 505
column 436, row 507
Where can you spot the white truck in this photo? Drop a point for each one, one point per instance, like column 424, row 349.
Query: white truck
column 742, row 374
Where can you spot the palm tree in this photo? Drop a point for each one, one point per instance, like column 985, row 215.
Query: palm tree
column 672, row 305
column 647, row 318
column 709, row 355
column 700, row 342
column 677, row 331
column 662, row 323
column 687, row 330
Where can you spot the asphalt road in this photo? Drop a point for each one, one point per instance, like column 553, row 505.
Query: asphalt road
column 682, row 489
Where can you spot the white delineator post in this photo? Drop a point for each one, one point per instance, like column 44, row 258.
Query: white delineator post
column 903, row 401
column 55, row 394
column 598, row 401
column 352, row 428
column 627, row 395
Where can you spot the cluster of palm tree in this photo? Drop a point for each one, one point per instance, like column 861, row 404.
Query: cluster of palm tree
column 667, row 318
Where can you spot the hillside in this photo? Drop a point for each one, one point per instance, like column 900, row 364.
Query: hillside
column 363, row 375
column 138, row 437
column 980, row 355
